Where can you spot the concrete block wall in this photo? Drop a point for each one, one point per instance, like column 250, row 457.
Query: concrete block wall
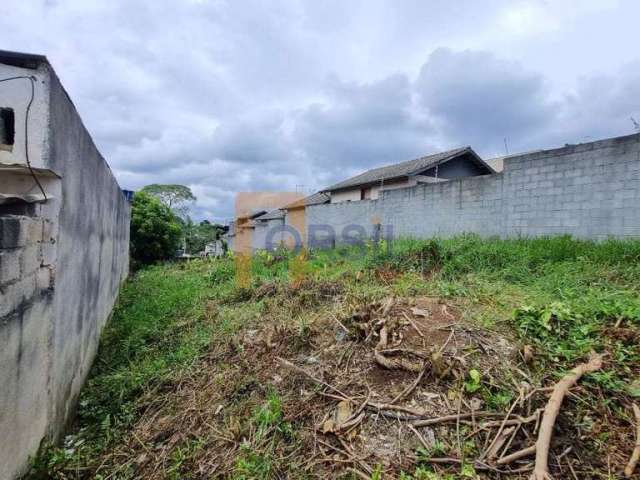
column 589, row 190
column 27, row 260
column 62, row 261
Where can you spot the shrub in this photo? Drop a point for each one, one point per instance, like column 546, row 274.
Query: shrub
column 155, row 231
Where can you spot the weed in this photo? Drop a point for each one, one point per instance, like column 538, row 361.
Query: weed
column 473, row 382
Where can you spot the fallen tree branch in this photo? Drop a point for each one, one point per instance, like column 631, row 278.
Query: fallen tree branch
column 413, row 324
column 358, row 473
column 525, row 452
column 379, row 407
column 478, row 465
column 396, row 363
column 295, row 368
column 635, row 456
column 452, row 418
column 496, row 439
column 424, row 443
column 411, row 387
column 541, row 469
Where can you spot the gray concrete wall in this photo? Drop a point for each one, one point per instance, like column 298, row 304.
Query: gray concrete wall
column 61, row 265
column 589, row 190
column 263, row 228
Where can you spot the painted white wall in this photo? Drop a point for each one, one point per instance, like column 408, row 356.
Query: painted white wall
column 15, row 94
column 353, row 194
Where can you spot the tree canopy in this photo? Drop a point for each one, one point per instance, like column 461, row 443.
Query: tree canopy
column 155, row 229
column 176, row 197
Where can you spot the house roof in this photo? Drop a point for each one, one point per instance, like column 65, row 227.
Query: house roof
column 317, row 198
column 272, row 215
column 313, row 199
column 405, row 169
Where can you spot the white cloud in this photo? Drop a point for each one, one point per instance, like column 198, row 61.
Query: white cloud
column 229, row 96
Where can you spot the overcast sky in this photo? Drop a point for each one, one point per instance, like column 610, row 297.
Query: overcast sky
column 228, row 96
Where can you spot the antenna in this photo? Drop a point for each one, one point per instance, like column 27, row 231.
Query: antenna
column 636, row 125
column 506, row 147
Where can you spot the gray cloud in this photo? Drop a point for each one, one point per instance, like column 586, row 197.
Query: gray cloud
column 234, row 96
column 362, row 125
column 480, row 99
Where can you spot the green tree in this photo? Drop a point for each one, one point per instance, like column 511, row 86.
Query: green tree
column 155, row 230
column 198, row 235
column 177, row 197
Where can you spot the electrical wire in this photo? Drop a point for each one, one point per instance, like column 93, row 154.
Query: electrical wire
column 32, row 81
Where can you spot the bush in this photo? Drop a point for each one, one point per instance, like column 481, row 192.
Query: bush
column 155, row 230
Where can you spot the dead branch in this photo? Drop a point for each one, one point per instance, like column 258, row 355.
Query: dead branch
column 416, row 414
column 358, row 473
column 525, row 452
column 413, row 324
column 541, row 469
column 295, row 368
column 502, row 426
column 635, row 456
column 388, row 306
column 515, row 420
column 420, row 437
column 478, row 465
column 411, row 387
column 350, row 423
column 396, row 363
column 498, row 443
column 451, row 418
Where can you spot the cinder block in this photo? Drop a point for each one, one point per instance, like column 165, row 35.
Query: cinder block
column 9, row 265
column 44, row 278
column 29, row 259
column 16, row 293
column 34, row 230
column 49, row 252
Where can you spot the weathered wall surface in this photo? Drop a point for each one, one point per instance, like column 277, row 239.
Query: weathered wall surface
column 589, row 190
column 61, row 264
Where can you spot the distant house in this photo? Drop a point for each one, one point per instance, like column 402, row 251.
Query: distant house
column 449, row 165
column 240, row 232
column 275, row 227
column 214, row 249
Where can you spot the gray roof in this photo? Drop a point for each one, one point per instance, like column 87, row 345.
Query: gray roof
column 313, row 199
column 317, row 198
column 272, row 215
column 405, row 169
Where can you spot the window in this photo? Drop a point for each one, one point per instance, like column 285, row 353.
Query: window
column 365, row 193
column 7, row 129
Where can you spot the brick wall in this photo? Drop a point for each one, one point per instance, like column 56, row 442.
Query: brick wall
column 589, row 190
